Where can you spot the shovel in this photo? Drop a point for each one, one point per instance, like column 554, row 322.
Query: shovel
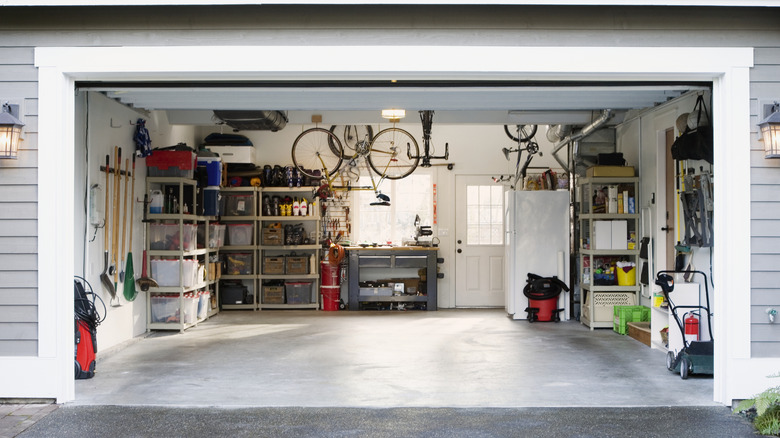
column 104, row 276
column 130, row 292
column 115, row 232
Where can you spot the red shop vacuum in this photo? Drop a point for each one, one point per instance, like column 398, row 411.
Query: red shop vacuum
column 542, row 294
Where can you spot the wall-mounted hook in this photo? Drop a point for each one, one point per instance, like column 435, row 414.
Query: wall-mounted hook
column 111, row 124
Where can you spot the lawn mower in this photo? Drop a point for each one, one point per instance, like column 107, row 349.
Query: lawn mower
column 696, row 357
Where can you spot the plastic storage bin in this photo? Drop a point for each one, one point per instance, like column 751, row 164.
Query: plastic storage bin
column 166, row 272
column 165, row 308
column 204, row 304
column 238, row 263
column 216, row 235
column 240, row 234
column 298, row 292
column 171, row 163
column 238, row 204
column 167, row 237
column 625, row 314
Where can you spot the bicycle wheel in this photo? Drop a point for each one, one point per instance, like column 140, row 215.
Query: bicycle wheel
column 394, row 153
column 520, row 133
column 314, row 150
column 350, row 135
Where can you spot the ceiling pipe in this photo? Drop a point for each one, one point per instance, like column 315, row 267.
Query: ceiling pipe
column 584, row 132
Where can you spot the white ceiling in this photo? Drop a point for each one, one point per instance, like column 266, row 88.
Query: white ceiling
column 483, row 104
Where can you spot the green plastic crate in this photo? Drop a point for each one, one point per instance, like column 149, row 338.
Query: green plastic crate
column 626, row 314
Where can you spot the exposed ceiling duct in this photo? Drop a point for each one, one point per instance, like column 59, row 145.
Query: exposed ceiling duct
column 584, row 132
column 253, row 120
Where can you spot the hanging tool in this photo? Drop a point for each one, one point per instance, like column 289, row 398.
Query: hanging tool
column 145, row 282
column 115, row 224
column 124, row 222
column 130, row 291
column 104, row 276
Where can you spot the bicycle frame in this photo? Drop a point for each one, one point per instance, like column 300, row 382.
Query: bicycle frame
column 360, row 153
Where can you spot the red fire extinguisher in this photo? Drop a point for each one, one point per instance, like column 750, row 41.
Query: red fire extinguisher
column 691, row 327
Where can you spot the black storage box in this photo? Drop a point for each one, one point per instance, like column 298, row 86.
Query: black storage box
column 233, row 293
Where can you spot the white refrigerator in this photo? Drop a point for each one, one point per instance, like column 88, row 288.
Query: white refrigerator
column 537, row 241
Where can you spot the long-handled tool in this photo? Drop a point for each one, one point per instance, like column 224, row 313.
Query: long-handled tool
column 130, row 292
column 104, row 276
column 124, row 222
column 115, row 232
column 145, row 281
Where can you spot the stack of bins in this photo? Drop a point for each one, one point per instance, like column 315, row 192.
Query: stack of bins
column 213, row 167
column 330, row 288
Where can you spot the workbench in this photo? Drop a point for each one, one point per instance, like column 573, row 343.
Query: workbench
column 390, row 259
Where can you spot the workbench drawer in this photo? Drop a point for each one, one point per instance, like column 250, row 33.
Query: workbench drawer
column 375, row 261
column 410, row 261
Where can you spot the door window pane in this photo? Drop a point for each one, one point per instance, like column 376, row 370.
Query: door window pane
column 484, row 215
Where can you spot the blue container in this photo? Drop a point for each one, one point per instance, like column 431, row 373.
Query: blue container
column 213, row 167
column 211, row 201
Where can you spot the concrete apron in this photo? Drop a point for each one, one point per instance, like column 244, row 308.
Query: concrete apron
column 448, row 358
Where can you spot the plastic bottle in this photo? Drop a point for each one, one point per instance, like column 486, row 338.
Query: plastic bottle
column 304, row 208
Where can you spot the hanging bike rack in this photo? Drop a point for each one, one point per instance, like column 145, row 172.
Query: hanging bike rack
column 426, row 117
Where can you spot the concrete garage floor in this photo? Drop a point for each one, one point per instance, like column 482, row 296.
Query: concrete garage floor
column 451, row 373
column 448, row 358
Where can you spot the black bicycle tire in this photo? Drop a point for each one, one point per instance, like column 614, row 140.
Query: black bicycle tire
column 349, row 149
column 415, row 152
column 307, row 161
column 527, row 137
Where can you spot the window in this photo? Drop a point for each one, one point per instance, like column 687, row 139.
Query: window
column 409, row 197
column 485, row 215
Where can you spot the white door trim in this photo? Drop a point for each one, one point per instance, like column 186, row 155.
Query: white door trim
column 728, row 68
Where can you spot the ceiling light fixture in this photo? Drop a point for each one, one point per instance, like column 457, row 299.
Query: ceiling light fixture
column 394, row 115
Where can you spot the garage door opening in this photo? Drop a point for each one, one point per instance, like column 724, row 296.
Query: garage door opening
column 70, row 159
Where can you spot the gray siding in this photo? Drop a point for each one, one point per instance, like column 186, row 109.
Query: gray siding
column 374, row 25
column 765, row 211
column 19, row 212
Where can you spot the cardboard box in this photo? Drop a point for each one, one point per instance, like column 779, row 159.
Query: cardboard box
column 602, row 235
column 619, row 234
column 640, row 331
column 610, row 171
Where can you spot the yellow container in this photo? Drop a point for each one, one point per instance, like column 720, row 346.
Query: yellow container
column 626, row 278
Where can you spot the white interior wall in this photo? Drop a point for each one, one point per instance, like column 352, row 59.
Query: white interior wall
column 474, row 150
column 109, row 124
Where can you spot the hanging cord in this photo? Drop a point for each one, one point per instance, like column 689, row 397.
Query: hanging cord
column 84, row 308
column 336, row 254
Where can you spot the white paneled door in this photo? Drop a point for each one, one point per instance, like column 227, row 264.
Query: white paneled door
column 479, row 228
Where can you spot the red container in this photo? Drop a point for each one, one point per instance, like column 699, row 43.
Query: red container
column 548, row 309
column 171, row 163
column 329, row 274
column 330, row 297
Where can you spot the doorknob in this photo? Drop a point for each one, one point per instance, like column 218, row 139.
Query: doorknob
column 460, row 241
column 667, row 229
column 460, row 250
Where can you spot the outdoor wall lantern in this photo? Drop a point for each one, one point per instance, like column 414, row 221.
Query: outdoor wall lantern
column 770, row 133
column 10, row 131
